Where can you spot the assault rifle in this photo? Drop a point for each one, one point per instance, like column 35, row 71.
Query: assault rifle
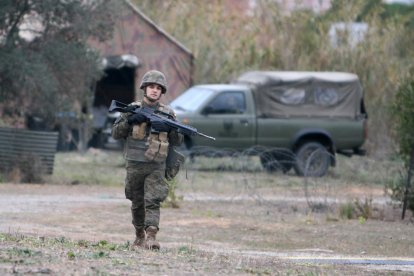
column 153, row 116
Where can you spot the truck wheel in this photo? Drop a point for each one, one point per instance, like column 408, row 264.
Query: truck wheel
column 277, row 160
column 312, row 159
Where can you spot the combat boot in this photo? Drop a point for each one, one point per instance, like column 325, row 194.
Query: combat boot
column 139, row 237
column 151, row 243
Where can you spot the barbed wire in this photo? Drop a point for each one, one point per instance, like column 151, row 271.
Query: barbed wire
column 243, row 173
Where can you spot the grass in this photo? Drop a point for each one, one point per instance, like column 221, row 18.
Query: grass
column 107, row 168
column 362, row 170
column 234, row 176
column 350, row 174
column 93, row 167
column 241, row 176
column 365, row 170
column 347, row 210
column 257, row 222
column 27, row 255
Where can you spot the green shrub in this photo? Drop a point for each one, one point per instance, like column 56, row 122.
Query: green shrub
column 364, row 209
column 357, row 209
column 27, row 168
column 403, row 111
column 172, row 199
column 397, row 190
column 347, row 211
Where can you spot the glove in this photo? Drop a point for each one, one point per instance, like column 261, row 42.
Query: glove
column 136, row 118
column 160, row 126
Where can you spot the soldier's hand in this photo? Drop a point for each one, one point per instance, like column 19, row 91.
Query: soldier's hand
column 160, row 126
column 136, row 118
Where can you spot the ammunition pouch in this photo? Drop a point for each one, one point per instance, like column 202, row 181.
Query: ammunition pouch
column 135, row 149
column 173, row 163
column 138, row 131
column 157, row 147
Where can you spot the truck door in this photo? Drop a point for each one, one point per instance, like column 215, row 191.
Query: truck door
column 231, row 121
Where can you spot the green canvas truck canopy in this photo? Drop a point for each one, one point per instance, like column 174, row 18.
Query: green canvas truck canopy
column 305, row 94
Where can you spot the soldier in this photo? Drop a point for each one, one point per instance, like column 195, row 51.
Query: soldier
column 146, row 150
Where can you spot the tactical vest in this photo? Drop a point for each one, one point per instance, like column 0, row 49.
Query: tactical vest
column 144, row 146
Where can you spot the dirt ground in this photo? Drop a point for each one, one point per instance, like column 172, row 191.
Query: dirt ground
column 86, row 229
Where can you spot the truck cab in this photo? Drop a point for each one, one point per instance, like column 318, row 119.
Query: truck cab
column 225, row 112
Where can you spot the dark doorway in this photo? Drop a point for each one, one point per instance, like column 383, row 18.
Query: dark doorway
column 118, row 83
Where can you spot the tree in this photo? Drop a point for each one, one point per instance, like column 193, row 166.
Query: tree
column 46, row 65
column 403, row 110
column 227, row 42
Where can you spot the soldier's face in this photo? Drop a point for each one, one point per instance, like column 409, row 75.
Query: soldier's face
column 153, row 92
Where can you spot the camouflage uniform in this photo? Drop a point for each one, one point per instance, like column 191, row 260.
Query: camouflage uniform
column 145, row 183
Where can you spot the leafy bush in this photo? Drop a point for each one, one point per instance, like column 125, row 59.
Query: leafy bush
column 357, row 209
column 346, row 211
column 397, row 190
column 403, row 111
column 364, row 209
column 26, row 168
column 172, row 199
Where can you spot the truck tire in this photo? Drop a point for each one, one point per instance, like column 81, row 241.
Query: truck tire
column 312, row 159
column 277, row 160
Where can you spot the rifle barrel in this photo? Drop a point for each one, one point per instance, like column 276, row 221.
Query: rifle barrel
column 206, row 136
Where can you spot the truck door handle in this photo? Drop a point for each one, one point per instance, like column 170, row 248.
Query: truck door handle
column 244, row 122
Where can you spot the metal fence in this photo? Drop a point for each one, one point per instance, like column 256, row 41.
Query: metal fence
column 19, row 144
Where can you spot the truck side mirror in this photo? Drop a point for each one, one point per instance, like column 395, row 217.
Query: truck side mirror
column 207, row 110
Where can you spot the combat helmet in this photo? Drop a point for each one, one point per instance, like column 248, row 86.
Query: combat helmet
column 154, row 76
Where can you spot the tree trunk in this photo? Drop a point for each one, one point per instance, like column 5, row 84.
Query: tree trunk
column 408, row 184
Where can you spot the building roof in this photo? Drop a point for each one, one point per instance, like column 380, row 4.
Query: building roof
column 157, row 28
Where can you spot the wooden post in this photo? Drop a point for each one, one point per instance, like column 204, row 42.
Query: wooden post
column 407, row 185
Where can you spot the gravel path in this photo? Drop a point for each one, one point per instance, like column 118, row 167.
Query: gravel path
column 68, row 211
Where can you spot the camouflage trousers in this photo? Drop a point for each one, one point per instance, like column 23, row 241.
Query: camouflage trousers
column 147, row 188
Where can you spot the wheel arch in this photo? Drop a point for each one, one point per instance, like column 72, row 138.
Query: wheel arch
column 316, row 135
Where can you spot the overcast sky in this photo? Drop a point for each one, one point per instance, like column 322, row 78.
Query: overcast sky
column 399, row 1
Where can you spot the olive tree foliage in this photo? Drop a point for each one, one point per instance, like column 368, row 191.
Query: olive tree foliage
column 403, row 111
column 227, row 41
column 46, row 65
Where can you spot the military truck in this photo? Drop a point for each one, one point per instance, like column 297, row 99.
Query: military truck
column 289, row 119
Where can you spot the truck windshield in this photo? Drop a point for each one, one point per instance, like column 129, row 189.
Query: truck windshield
column 191, row 99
